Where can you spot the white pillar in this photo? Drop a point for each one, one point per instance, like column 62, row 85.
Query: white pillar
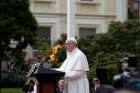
column 103, row 7
column 71, row 24
column 121, row 10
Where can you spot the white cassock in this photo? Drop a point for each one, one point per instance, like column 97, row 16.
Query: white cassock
column 76, row 66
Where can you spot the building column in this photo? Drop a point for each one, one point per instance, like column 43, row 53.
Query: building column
column 103, row 11
column 71, row 24
column 122, row 10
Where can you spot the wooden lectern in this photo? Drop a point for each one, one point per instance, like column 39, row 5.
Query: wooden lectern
column 47, row 78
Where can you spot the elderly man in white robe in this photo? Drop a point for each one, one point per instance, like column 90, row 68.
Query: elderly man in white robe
column 75, row 67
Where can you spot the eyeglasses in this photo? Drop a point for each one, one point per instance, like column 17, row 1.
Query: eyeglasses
column 66, row 43
column 96, row 80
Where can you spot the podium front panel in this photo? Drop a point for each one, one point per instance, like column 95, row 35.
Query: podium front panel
column 47, row 88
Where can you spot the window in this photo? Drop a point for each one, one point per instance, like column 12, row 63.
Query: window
column 133, row 9
column 43, row 36
column 83, row 32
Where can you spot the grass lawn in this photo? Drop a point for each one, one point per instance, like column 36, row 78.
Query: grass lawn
column 11, row 90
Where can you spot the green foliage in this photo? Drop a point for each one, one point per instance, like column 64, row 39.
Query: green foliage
column 104, row 50
column 61, row 53
column 12, row 80
column 133, row 13
column 17, row 23
column 11, row 90
column 45, row 49
column 62, row 39
column 92, row 71
column 112, row 69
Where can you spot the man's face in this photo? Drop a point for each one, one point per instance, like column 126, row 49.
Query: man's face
column 95, row 81
column 61, row 85
column 70, row 46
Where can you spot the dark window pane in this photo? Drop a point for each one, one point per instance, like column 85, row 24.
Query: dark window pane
column 43, row 34
column 83, row 32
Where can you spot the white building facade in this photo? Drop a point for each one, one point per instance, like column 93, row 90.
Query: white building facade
column 91, row 17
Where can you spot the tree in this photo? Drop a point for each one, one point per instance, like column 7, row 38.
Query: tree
column 105, row 50
column 17, row 25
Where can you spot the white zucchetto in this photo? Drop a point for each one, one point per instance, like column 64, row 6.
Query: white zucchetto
column 72, row 39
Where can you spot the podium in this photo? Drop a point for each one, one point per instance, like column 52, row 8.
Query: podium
column 47, row 78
